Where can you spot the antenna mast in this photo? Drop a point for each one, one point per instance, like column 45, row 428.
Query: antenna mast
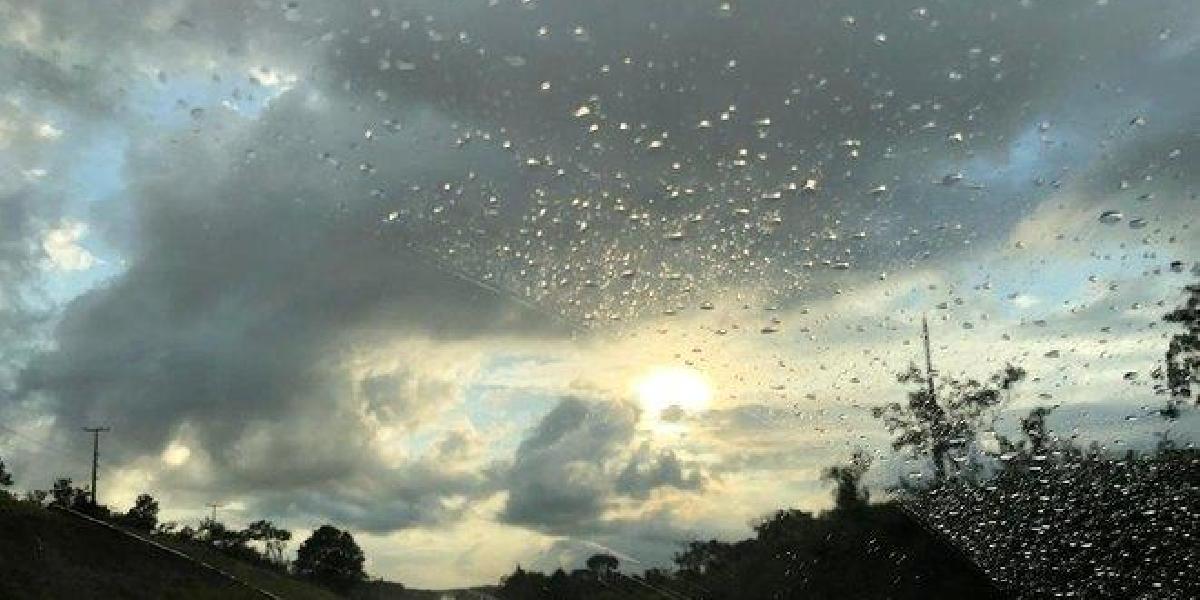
column 95, row 431
column 214, row 506
column 928, row 355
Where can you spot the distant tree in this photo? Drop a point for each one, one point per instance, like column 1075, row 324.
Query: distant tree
column 68, row 496
column 1181, row 364
column 228, row 541
column 941, row 417
column 602, row 564
column 144, row 513
column 186, row 533
column 273, row 538
column 705, row 558
column 331, row 558
column 37, row 497
column 1035, row 430
column 657, row 577
column 6, row 479
column 524, row 585
column 168, row 528
column 847, row 493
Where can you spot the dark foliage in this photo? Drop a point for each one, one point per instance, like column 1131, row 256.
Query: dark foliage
column 331, row 558
column 66, row 495
column 856, row 550
column 6, row 479
column 602, row 563
column 847, row 493
column 942, row 416
column 271, row 537
column 1181, row 362
column 143, row 515
column 1057, row 521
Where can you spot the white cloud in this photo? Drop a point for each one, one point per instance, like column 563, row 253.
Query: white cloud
column 48, row 131
column 63, row 250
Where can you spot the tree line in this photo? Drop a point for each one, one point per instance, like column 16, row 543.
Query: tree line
column 328, row 557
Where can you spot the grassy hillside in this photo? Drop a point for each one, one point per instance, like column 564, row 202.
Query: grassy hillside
column 52, row 555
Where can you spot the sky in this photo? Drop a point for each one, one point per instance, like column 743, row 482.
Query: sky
column 490, row 282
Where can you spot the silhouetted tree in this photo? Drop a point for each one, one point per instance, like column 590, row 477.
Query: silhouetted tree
column 602, row 564
column 847, row 493
column 186, row 533
column 37, row 497
column 1181, row 364
column 331, row 558
column 68, row 496
column 144, row 513
column 1056, row 520
column 228, row 541
column 6, row 479
column 272, row 538
column 941, row 417
column 522, row 585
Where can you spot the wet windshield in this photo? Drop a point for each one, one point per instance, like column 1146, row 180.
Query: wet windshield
column 682, row 298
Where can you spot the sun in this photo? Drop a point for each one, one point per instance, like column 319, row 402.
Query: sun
column 673, row 386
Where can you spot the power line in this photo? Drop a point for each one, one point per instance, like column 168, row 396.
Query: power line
column 41, row 446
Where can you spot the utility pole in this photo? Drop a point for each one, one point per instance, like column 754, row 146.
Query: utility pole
column 95, row 431
column 928, row 355
column 214, row 506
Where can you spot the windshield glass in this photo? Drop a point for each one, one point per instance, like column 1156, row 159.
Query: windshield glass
column 682, row 298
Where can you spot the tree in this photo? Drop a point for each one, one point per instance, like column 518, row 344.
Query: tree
column 68, row 496
column 941, row 417
column 1034, row 428
column 6, row 479
column 602, row 564
column 847, row 494
column 37, row 497
column 331, row 558
column 1181, row 364
column 272, row 538
column 144, row 513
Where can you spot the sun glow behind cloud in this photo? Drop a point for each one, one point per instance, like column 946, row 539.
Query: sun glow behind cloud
column 669, row 387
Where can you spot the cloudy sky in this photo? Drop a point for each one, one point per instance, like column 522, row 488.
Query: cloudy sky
column 501, row 281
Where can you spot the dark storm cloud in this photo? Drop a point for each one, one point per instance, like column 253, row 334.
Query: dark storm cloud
column 577, row 462
column 559, row 478
column 892, row 85
column 431, row 491
column 251, row 279
column 648, row 470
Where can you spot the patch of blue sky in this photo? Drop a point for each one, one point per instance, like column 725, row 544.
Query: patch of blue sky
column 95, row 171
column 64, row 286
column 485, row 406
column 187, row 100
column 96, row 174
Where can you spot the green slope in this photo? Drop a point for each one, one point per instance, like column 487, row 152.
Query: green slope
column 50, row 554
